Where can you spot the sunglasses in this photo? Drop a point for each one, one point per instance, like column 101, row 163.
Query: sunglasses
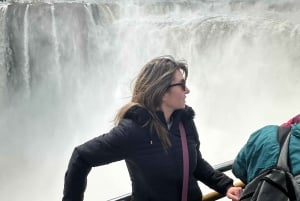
column 182, row 84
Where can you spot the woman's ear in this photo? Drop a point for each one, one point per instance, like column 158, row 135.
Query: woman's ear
column 164, row 98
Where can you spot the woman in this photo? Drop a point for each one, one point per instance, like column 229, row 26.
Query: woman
column 147, row 137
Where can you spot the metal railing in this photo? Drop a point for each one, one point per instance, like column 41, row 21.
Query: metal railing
column 212, row 196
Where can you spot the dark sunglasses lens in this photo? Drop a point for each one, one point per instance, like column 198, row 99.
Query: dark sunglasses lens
column 182, row 85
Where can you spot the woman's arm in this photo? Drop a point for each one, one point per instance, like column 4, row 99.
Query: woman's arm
column 107, row 148
column 211, row 177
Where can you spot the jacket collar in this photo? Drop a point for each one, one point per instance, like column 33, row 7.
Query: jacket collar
column 141, row 115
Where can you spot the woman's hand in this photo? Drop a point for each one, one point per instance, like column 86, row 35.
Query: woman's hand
column 234, row 193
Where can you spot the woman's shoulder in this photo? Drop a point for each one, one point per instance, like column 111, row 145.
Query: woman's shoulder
column 134, row 121
column 137, row 114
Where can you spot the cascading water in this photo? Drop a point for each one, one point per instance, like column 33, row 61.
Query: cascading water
column 66, row 67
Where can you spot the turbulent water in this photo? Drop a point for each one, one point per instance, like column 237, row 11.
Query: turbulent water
column 66, row 67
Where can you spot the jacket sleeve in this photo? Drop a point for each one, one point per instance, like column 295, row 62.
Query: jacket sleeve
column 212, row 178
column 206, row 173
column 107, row 148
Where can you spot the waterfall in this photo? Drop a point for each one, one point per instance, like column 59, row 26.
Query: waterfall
column 26, row 68
column 66, row 67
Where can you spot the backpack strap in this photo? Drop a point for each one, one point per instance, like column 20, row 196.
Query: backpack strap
column 283, row 161
column 282, row 133
column 283, row 136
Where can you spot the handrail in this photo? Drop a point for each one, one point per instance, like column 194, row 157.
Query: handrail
column 223, row 167
column 212, row 196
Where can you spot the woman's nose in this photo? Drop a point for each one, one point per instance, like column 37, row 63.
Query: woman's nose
column 187, row 90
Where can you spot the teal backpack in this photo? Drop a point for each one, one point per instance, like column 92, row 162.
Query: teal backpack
column 278, row 183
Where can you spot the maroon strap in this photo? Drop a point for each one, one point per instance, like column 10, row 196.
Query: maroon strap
column 185, row 153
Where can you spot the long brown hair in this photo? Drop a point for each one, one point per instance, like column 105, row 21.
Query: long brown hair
column 151, row 84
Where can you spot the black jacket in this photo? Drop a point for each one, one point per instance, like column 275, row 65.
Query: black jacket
column 155, row 174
